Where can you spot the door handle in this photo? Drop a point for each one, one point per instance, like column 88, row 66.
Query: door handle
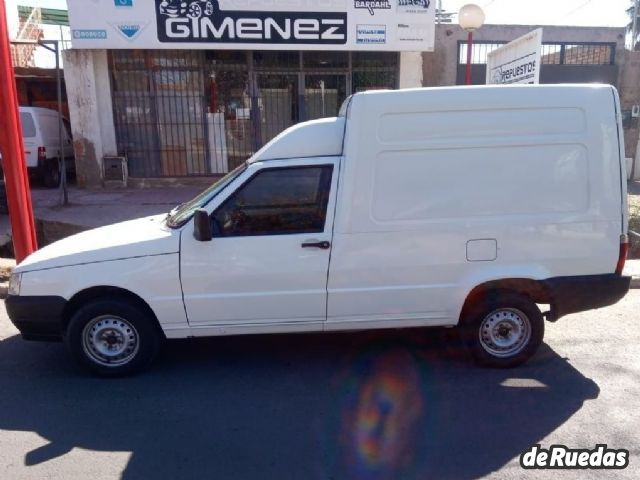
column 320, row 245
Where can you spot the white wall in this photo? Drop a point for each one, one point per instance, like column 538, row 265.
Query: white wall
column 410, row 69
column 90, row 109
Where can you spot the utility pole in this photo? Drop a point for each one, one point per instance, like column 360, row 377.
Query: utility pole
column 12, row 147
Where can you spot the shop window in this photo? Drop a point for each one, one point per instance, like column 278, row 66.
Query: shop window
column 373, row 80
column 375, row 60
column 325, row 60
column 287, row 60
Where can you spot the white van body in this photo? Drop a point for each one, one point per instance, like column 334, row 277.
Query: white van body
column 41, row 139
column 436, row 201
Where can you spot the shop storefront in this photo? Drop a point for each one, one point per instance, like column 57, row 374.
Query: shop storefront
column 208, row 83
column 204, row 112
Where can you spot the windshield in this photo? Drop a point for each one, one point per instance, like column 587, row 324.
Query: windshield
column 181, row 214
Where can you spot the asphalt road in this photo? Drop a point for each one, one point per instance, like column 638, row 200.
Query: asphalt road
column 372, row 406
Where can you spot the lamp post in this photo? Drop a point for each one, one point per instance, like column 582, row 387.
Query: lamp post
column 470, row 18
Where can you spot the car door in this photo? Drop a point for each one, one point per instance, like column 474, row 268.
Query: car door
column 266, row 267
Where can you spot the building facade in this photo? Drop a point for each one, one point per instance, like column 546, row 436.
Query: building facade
column 186, row 89
column 179, row 114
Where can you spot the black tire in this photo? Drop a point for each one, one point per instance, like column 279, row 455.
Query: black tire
column 506, row 317
column 50, row 173
column 120, row 326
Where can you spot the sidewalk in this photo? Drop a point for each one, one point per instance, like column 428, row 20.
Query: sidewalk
column 96, row 208
column 632, row 269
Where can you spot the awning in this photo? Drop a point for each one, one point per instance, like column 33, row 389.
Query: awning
column 50, row 16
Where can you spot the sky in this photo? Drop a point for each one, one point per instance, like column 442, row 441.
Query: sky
column 603, row 13
column 609, row 13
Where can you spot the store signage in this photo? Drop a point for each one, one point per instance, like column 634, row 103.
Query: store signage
column 89, row 34
column 517, row 62
column 414, row 6
column 255, row 24
column 212, row 25
column 372, row 6
column 371, row 34
column 129, row 30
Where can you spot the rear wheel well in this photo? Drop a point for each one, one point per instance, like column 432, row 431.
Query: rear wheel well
column 534, row 290
column 105, row 292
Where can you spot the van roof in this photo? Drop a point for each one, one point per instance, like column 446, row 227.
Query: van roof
column 325, row 137
column 27, row 109
column 317, row 138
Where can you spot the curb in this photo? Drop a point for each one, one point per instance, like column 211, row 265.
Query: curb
column 635, row 282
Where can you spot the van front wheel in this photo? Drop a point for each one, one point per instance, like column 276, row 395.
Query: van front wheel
column 113, row 337
column 503, row 330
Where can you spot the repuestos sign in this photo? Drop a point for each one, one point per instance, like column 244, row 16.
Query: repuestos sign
column 516, row 62
column 253, row 24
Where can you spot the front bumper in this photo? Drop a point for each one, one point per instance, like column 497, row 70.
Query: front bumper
column 578, row 294
column 37, row 317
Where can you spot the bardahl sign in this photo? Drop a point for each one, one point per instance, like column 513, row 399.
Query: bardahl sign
column 382, row 25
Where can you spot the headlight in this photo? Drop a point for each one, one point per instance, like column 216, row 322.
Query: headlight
column 14, row 283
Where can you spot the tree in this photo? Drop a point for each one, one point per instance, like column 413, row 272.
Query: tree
column 634, row 9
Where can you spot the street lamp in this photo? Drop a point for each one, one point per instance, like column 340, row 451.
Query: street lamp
column 470, row 18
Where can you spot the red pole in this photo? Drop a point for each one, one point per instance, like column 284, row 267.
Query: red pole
column 12, row 148
column 469, row 49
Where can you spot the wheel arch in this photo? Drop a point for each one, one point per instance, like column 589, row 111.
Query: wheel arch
column 535, row 290
column 107, row 292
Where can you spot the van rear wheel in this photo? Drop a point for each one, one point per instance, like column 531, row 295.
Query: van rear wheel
column 50, row 172
column 503, row 329
column 113, row 338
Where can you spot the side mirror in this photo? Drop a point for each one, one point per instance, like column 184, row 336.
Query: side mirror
column 202, row 226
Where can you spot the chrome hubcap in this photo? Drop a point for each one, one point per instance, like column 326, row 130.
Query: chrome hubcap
column 110, row 341
column 505, row 332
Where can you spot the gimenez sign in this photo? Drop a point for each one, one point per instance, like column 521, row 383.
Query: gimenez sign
column 516, row 62
column 205, row 22
column 254, row 24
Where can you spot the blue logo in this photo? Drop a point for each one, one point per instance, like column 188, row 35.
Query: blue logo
column 371, row 34
column 129, row 30
column 123, row 3
column 89, row 34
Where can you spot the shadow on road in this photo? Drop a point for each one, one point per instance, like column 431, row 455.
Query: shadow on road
column 367, row 406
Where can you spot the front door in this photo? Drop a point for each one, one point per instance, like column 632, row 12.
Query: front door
column 266, row 267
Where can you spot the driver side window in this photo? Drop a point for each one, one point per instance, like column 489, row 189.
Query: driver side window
column 277, row 201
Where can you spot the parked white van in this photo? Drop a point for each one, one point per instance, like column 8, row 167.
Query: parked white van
column 457, row 207
column 41, row 137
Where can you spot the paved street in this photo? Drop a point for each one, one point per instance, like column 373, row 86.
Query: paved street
column 394, row 406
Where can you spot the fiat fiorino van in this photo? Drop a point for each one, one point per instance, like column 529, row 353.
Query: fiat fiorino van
column 459, row 207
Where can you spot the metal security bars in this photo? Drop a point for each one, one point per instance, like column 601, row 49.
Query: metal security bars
column 192, row 113
column 577, row 53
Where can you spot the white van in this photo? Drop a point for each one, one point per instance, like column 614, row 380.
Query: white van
column 464, row 207
column 42, row 142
